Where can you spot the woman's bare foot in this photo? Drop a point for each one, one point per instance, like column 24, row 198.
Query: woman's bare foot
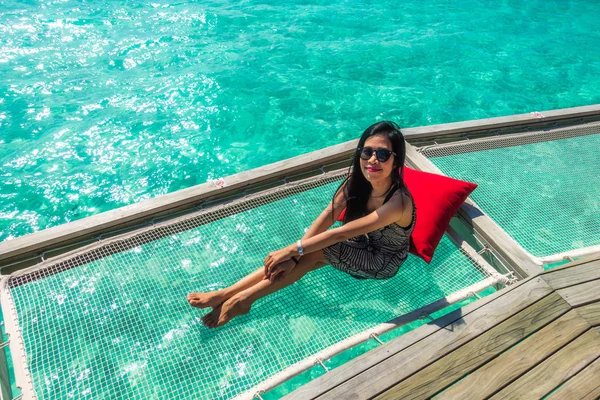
column 225, row 312
column 205, row 300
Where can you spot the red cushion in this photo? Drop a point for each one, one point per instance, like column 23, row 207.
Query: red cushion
column 437, row 199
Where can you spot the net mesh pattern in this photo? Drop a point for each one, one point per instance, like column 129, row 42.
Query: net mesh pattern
column 114, row 322
column 542, row 189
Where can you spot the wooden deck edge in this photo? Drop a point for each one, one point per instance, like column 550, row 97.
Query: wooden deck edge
column 23, row 378
column 503, row 139
column 5, row 388
column 421, row 355
column 431, row 131
column 574, row 263
column 581, row 294
column 565, row 278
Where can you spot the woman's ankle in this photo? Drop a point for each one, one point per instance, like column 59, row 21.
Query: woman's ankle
column 223, row 294
column 244, row 297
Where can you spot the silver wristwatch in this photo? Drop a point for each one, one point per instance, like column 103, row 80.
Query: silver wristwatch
column 300, row 248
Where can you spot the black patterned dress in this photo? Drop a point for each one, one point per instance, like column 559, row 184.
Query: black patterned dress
column 375, row 255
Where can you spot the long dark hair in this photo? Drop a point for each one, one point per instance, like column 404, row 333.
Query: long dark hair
column 357, row 189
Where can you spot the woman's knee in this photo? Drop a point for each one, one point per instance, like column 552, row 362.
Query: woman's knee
column 313, row 261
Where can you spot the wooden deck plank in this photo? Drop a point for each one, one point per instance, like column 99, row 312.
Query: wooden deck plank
column 591, row 313
column 575, row 263
column 502, row 370
column 478, row 351
column 578, row 274
column 420, row 354
column 555, row 370
column 581, row 294
column 453, row 321
column 583, row 386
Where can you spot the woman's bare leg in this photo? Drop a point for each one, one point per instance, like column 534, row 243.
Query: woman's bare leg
column 213, row 299
column 241, row 302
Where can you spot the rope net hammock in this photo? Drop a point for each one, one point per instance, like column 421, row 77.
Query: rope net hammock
column 112, row 321
column 542, row 188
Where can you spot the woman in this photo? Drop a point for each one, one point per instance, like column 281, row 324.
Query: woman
column 372, row 243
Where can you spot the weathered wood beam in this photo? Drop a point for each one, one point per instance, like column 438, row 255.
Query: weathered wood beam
column 535, row 120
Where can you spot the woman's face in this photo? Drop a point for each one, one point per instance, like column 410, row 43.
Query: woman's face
column 374, row 170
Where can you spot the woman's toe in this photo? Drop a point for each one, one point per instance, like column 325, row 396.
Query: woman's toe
column 210, row 318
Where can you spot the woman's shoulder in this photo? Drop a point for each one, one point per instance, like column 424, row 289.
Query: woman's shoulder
column 404, row 201
column 403, row 197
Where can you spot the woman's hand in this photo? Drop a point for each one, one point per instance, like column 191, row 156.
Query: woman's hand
column 275, row 258
column 280, row 271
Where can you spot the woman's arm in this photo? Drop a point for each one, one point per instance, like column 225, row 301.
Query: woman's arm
column 324, row 221
column 398, row 208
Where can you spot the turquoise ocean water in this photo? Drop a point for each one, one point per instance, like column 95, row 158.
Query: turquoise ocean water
column 106, row 103
column 103, row 104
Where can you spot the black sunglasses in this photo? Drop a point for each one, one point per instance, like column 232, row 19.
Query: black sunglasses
column 382, row 154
